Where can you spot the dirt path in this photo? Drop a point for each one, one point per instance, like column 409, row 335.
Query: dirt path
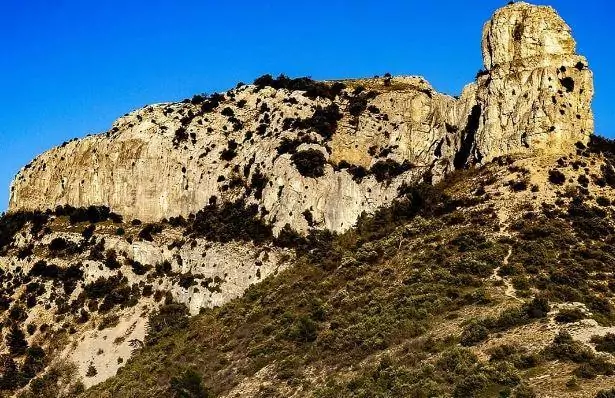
column 509, row 290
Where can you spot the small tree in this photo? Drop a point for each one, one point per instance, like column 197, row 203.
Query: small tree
column 188, row 385
column 16, row 342
column 91, row 372
column 538, row 308
column 606, row 393
column 11, row 378
column 168, row 318
column 34, row 362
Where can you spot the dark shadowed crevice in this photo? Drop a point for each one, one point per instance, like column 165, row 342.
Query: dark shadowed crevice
column 438, row 152
column 524, row 140
column 468, row 140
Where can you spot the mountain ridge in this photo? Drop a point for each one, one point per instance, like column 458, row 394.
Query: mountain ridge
column 365, row 237
column 534, row 96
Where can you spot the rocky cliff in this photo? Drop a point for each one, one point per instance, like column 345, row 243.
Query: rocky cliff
column 241, row 165
column 536, row 93
column 319, row 154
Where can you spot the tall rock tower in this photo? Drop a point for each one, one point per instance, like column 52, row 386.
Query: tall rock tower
column 536, row 91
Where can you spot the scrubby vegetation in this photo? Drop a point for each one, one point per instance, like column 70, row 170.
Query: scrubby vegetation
column 478, row 330
column 323, row 121
column 604, row 343
column 341, row 330
column 91, row 214
column 309, row 163
column 12, row 223
column 390, row 285
column 557, row 177
column 397, row 306
column 385, row 170
column 230, row 221
column 313, row 89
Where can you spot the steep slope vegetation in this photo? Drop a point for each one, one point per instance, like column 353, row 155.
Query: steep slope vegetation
column 77, row 284
column 489, row 283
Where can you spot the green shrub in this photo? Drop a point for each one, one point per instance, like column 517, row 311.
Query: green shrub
column 34, row 362
column 557, row 177
column 16, row 341
column 474, row 333
column 230, row 151
column 523, row 391
column 568, row 83
column 11, row 378
column 58, row 244
column 149, row 230
column 309, row 163
column 538, row 308
column 595, row 367
column 323, row 121
column 458, row 360
column 312, row 88
column 569, row 315
column 108, row 321
column 91, row 372
column 304, row 330
column 604, row 343
column 606, row 393
column 565, row 348
column 385, row 170
column 503, row 352
column 230, row 221
column 188, row 385
column 167, row 319
column 470, row 385
column 12, row 223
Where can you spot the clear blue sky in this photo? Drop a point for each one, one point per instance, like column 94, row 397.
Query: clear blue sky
column 70, row 67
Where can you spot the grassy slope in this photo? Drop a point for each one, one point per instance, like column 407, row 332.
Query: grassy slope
column 404, row 305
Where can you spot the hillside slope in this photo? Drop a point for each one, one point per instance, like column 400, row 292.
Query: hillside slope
column 493, row 281
column 355, row 238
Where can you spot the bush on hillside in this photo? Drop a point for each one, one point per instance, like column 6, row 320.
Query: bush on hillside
column 167, row 319
column 313, row 89
column 230, row 221
column 309, row 163
column 189, row 385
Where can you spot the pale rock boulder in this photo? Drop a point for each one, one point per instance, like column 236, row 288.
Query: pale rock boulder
column 522, row 31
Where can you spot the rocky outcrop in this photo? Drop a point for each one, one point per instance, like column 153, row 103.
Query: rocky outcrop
column 94, row 295
column 319, row 155
column 537, row 92
column 303, row 153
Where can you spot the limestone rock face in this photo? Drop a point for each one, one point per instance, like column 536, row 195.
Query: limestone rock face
column 521, row 31
column 246, row 147
column 200, row 274
column 536, row 92
column 263, row 143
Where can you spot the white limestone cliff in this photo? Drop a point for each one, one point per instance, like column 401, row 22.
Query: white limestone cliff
column 534, row 95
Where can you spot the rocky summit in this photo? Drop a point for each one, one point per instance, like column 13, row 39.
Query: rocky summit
column 350, row 238
column 333, row 149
